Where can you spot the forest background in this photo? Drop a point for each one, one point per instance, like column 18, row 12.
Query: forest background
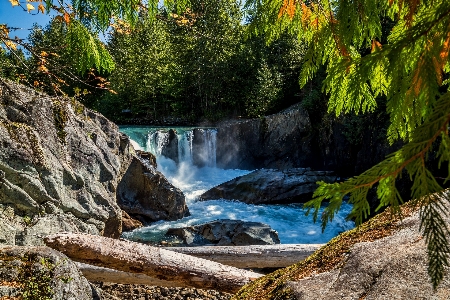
column 199, row 66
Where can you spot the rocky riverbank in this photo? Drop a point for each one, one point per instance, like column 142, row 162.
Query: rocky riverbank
column 145, row 292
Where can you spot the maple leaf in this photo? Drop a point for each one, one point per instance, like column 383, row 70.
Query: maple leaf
column 66, row 18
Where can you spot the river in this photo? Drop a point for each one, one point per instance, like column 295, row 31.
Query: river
column 289, row 221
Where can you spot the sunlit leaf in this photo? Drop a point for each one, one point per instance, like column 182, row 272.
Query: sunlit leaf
column 11, row 45
column 14, row 2
column 30, row 7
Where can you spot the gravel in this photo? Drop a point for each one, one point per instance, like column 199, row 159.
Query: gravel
column 144, row 292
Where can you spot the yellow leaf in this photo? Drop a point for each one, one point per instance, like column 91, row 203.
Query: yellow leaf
column 42, row 68
column 14, row 2
column 41, row 8
column 11, row 45
column 30, row 7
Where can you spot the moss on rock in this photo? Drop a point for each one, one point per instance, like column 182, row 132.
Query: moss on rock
column 327, row 258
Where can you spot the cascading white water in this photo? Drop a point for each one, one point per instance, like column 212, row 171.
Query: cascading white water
column 289, row 221
column 185, row 145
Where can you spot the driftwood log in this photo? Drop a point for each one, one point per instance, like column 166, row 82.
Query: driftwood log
column 95, row 273
column 155, row 262
column 255, row 256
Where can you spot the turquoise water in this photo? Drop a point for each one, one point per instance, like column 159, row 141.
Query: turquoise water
column 289, row 221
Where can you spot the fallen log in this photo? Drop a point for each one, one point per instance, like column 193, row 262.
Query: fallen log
column 155, row 262
column 95, row 273
column 255, row 256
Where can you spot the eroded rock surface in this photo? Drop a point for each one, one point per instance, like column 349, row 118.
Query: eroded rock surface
column 227, row 233
column 60, row 165
column 270, row 186
column 394, row 267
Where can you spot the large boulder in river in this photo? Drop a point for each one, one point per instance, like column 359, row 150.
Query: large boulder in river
column 60, row 165
column 227, row 233
column 269, row 186
column 145, row 194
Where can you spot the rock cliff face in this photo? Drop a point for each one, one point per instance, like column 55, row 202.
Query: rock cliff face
column 279, row 141
column 292, row 139
column 60, row 166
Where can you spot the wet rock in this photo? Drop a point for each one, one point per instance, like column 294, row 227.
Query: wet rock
column 128, row 223
column 269, row 186
column 170, row 149
column 227, row 233
column 278, row 141
column 145, row 194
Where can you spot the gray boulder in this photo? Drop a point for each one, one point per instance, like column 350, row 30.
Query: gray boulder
column 269, row 186
column 60, row 165
column 41, row 273
column 227, row 233
column 170, row 149
column 145, row 194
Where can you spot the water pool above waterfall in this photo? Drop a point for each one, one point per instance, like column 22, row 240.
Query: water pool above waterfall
column 191, row 168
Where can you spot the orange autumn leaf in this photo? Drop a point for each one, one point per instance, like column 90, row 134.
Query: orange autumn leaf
column 443, row 55
column 287, row 7
column 41, row 8
column 306, row 14
column 42, row 68
column 11, row 45
column 66, row 18
column 375, row 46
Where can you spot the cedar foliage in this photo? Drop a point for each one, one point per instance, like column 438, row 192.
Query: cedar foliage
column 410, row 70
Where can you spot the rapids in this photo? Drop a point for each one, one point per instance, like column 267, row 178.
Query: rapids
column 289, row 221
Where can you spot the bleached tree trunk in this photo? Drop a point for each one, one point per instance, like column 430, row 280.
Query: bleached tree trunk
column 155, row 262
column 95, row 273
column 255, row 256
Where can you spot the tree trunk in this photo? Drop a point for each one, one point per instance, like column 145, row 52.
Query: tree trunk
column 155, row 262
column 255, row 256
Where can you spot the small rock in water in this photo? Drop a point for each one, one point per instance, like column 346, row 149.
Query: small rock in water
column 227, row 233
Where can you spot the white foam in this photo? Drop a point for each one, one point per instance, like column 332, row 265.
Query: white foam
column 288, row 220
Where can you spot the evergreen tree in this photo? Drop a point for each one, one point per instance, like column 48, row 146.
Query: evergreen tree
column 410, row 69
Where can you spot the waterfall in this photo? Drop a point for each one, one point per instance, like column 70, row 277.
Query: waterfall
column 195, row 146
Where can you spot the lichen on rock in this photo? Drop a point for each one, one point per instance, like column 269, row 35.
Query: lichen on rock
column 59, row 166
